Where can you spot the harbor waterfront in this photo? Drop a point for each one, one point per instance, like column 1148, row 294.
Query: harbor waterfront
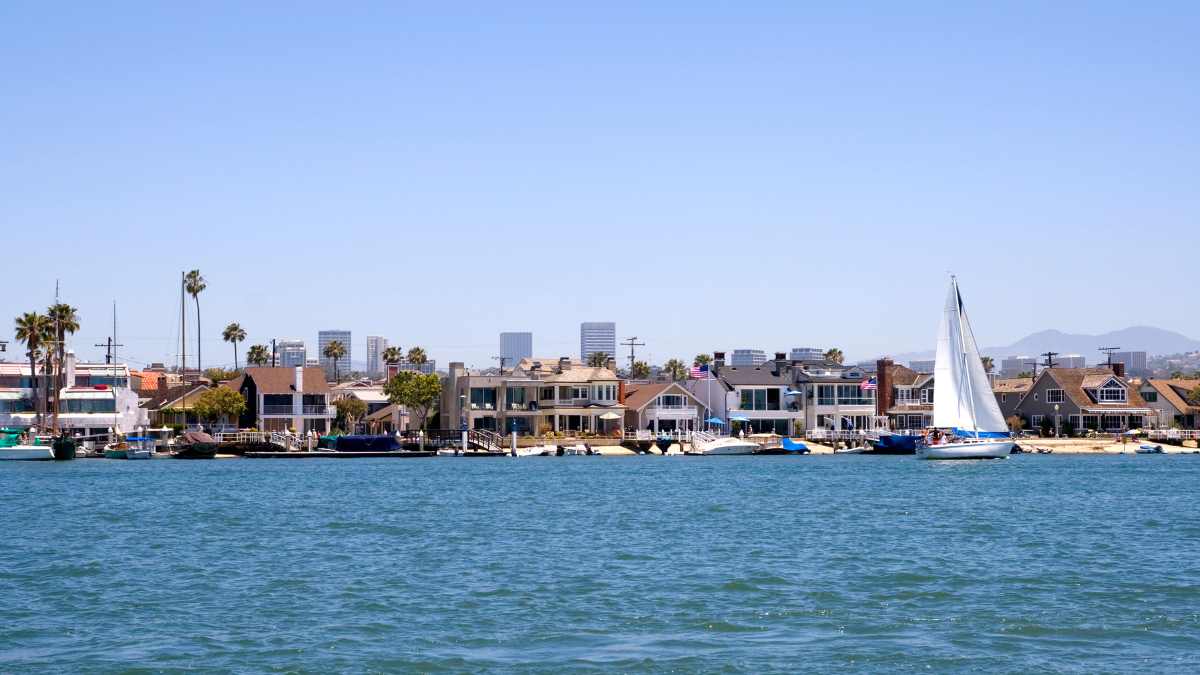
column 647, row 564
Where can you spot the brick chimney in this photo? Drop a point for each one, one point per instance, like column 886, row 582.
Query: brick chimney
column 621, row 392
column 884, row 391
column 564, row 363
column 611, row 364
column 1118, row 368
column 161, row 381
column 718, row 362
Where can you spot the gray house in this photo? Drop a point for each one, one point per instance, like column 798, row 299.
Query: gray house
column 1089, row 398
column 1009, row 393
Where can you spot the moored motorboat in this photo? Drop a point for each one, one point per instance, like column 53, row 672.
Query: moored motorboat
column 708, row 444
column 27, row 452
column 195, row 445
column 967, row 420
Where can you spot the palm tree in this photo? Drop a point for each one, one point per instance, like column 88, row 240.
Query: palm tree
column 257, row 354
column 234, row 333
column 988, row 363
column 703, row 359
column 194, row 284
column 33, row 329
column 834, row 354
column 675, row 370
column 417, row 357
column 64, row 319
column 392, row 356
column 598, row 360
column 334, row 351
column 639, row 371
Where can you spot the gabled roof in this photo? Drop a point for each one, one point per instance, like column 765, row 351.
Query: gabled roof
column 1075, row 383
column 902, row 376
column 1015, row 385
column 638, row 396
column 581, row 375
column 165, row 398
column 281, row 380
column 385, row 412
column 1175, row 392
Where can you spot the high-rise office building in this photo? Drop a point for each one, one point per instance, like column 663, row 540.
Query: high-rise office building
column 807, row 354
column 514, row 347
column 922, row 365
column 1071, row 361
column 290, row 353
column 1014, row 365
column 597, row 336
column 375, row 346
column 746, row 358
column 1135, row 363
column 343, row 364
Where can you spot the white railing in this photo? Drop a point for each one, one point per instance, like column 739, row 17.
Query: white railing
column 1174, row 434
column 243, row 437
column 315, row 410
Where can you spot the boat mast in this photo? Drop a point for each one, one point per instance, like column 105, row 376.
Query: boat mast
column 966, row 366
column 53, row 374
column 183, row 347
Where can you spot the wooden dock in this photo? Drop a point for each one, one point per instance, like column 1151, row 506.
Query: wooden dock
column 331, row 454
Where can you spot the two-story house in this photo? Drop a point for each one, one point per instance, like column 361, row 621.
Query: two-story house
column 538, row 396
column 837, row 397
column 1171, row 402
column 662, row 407
column 281, row 399
column 756, row 399
column 1008, row 393
column 1089, row 398
column 904, row 395
column 96, row 398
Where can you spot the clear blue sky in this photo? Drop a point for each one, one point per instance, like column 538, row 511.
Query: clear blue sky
column 707, row 175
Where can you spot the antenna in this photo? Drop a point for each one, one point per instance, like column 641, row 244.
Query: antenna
column 1108, row 351
column 1050, row 362
column 502, row 360
column 631, row 343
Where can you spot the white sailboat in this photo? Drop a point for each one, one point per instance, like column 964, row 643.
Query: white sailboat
column 965, row 411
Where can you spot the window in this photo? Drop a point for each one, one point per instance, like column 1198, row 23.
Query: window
column 1150, row 396
column 853, row 394
column 747, row 400
column 1111, row 394
column 517, row 399
column 670, row 401
column 1004, row 398
column 904, row 395
column 825, row 394
column 759, row 399
column 86, row 405
column 1035, row 396
column 579, row 392
column 604, row 392
column 1054, row 396
column 483, row 399
column 927, row 395
column 547, row 394
column 1037, row 420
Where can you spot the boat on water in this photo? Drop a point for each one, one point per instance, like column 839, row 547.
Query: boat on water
column 1149, row 449
column 12, row 448
column 967, row 422
column 195, row 445
column 887, row 443
column 704, row 443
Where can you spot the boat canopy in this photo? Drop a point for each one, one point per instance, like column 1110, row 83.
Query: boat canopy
column 364, row 443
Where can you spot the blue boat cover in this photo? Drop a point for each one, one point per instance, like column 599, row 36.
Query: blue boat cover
column 792, row 446
column 383, row 443
column 981, row 434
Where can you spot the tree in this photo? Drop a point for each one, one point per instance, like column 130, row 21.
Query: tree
column 417, row 357
column 703, row 359
column 988, row 363
column 195, row 284
column 65, row 320
column 220, row 374
column 258, row 355
column 219, row 402
column 597, row 360
column 1015, row 423
column 1194, row 396
column 1024, row 373
column 834, row 354
column 675, row 370
column 392, row 356
column 349, row 410
column 34, row 330
column 418, row 392
column 234, row 333
column 640, row 370
column 334, row 351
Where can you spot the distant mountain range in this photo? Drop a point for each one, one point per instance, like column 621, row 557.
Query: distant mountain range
column 1155, row 341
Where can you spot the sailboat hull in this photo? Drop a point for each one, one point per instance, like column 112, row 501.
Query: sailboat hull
column 982, row 450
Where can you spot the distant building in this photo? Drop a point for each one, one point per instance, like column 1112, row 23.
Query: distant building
column 1070, row 361
column 312, row 362
column 1015, row 365
column 323, row 339
column 1135, row 363
column 516, row 346
column 921, row 365
column 744, row 358
column 597, row 336
column 291, row 353
column 807, row 354
column 375, row 346
column 427, row 368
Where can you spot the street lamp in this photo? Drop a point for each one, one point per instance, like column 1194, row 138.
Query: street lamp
column 1057, row 433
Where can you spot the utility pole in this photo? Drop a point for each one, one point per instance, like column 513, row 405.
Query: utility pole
column 1109, row 352
column 632, row 343
column 1050, row 363
column 1035, row 365
column 502, row 360
column 110, row 346
column 272, row 352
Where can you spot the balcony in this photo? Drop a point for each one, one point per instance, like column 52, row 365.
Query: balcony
column 320, row 410
column 277, row 409
column 672, row 411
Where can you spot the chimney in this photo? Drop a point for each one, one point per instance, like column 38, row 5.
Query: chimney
column 621, row 392
column 161, row 381
column 299, row 386
column 780, row 360
column 611, row 364
column 564, row 363
column 69, row 369
column 1118, row 368
column 718, row 362
column 883, row 392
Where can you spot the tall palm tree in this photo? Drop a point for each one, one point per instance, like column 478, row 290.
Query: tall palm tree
column 834, row 354
column 598, row 360
column 195, row 284
column 703, row 359
column 417, row 357
column 639, row 371
column 392, row 356
column 335, row 350
column 988, row 363
column 234, row 333
column 257, row 354
column 64, row 319
column 32, row 329
column 675, row 370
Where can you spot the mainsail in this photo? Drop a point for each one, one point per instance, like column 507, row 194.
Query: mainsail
column 962, row 396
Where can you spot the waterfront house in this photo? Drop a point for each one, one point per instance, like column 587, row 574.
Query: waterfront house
column 662, row 406
column 1008, row 393
column 1099, row 399
column 539, row 395
column 904, row 395
column 763, row 394
column 387, row 420
column 1169, row 399
column 837, row 397
column 281, row 399
column 173, row 406
column 96, row 397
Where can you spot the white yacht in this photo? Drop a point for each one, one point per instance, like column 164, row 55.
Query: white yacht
column 27, row 452
column 966, row 418
column 704, row 443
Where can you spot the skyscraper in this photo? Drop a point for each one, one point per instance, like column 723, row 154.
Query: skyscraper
column 514, row 347
column 375, row 346
column 597, row 336
column 290, row 353
column 323, row 339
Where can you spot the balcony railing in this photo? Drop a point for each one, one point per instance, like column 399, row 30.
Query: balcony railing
column 277, row 409
column 316, row 410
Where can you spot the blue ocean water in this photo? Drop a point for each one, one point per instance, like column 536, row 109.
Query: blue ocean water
column 642, row 564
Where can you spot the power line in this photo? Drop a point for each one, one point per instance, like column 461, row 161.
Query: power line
column 632, row 343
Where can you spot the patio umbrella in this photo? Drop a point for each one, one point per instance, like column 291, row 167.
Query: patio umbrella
column 715, row 420
column 739, row 418
column 793, row 392
column 610, row 416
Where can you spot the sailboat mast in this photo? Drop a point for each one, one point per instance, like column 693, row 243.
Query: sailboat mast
column 966, row 366
column 53, row 371
column 183, row 346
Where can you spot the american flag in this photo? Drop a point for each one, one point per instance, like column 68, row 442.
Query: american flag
column 699, row 372
column 869, row 383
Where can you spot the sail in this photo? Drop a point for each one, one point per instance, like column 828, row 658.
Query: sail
column 962, row 397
